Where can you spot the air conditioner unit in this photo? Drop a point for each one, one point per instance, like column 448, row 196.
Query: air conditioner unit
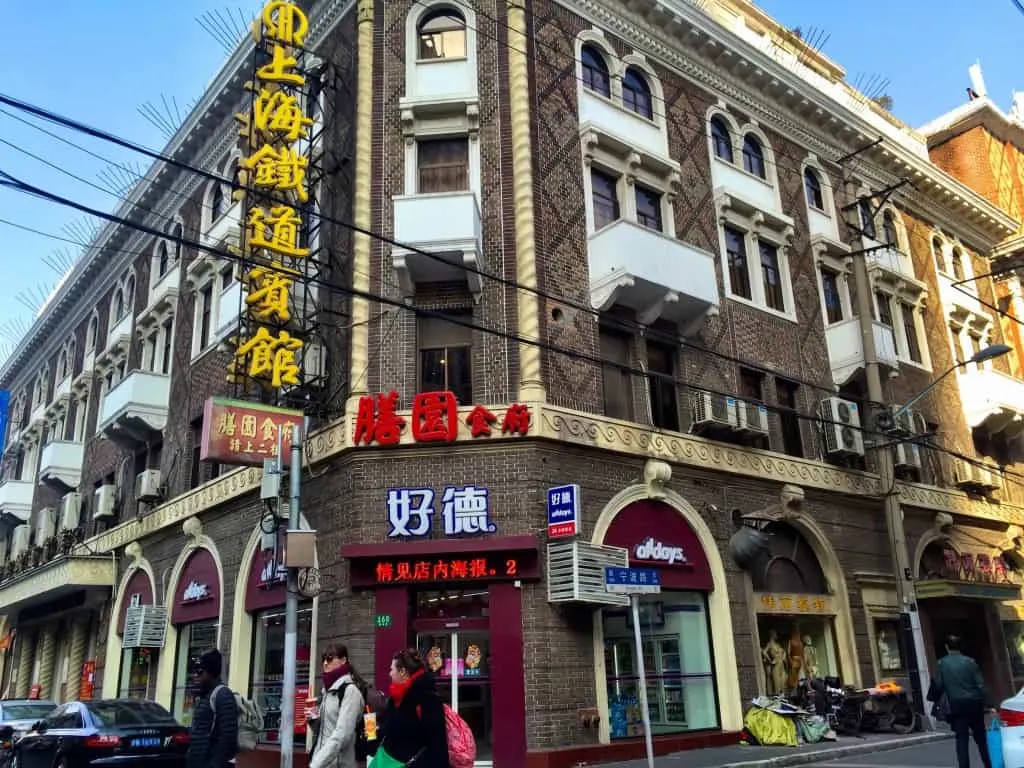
column 752, row 417
column 986, row 478
column 904, row 422
column 710, row 409
column 963, row 474
column 105, row 502
column 145, row 626
column 908, row 455
column 45, row 525
column 843, row 436
column 147, row 486
column 20, row 540
column 70, row 511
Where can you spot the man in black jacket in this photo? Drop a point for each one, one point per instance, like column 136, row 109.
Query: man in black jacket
column 213, row 741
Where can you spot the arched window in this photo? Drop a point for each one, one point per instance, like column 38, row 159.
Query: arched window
column 940, row 260
column 721, row 139
column 163, row 259
column 129, row 293
column 118, row 305
column 176, row 234
column 636, row 94
column 72, row 348
column 812, row 188
column 889, row 229
column 957, row 263
column 595, row 71
column 753, row 156
column 91, row 331
column 62, row 365
column 217, row 207
column 442, row 35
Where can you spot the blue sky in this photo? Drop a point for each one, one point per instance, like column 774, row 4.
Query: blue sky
column 99, row 67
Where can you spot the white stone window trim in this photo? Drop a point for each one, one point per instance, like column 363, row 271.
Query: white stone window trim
column 421, row 10
column 173, row 257
column 464, row 126
column 92, row 331
column 227, row 172
column 756, row 225
column 41, row 388
column 828, row 199
column 616, row 157
column 897, row 300
column 81, row 420
column 945, row 267
column 737, row 134
column 843, row 268
column 197, row 282
column 970, row 325
column 151, row 339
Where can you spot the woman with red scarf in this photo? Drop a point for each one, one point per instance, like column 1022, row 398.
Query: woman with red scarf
column 415, row 732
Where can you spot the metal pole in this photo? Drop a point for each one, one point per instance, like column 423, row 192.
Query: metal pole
column 291, row 610
column 645, row 712
column 910, row 624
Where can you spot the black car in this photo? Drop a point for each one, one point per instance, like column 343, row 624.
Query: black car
column 20, row 714
column 108, row 732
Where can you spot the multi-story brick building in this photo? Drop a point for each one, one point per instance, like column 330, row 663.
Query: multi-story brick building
column 625, row 240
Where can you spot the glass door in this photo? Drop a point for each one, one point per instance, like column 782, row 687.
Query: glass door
column 460, row 661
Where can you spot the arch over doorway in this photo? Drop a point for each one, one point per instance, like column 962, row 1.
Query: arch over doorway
column 140, row 566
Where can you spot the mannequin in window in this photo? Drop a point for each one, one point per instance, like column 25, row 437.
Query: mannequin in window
column 796, row 657
column 774, row 658
column 810, row 658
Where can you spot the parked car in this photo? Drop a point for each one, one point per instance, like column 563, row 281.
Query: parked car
column 21, row 714
column 84, row 734
column 1011, row 713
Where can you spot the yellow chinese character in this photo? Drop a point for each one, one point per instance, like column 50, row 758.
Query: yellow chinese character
column 281, row 69
column 819, row 604
column 269, row 429
column 249, row 424
column 284, row 223
column 787, row 603
column 803, row 605
column 268, row 295
column 279, row 112
column 768, row 601
column 283, row 170
column 273, row 358
column 226, row 423
column 284, row 22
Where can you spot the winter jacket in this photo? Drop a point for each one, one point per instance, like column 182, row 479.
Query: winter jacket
column 213, row 740
column 416, row 727
column 959, row 678
column 339, row 715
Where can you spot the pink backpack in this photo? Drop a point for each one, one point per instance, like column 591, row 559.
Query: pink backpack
column 461, row 744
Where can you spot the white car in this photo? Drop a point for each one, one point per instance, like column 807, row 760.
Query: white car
column 1011, row 713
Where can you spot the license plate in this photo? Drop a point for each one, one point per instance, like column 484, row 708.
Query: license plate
column 150, row 741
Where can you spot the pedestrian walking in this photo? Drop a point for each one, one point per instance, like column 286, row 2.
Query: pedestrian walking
column 213, row 740
column 414, row 729
column 341, row 711
column 958, row 678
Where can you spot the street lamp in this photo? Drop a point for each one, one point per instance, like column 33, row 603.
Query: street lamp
column 910, row 620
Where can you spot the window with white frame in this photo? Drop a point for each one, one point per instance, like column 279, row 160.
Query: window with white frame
column 831, row 293
column 91, row 332
column 442, row 35
column 636, row 93
column 81, row 418
column 756, row 263
column 596, row 73
column 217, row 303
column 721, row 139
column 904, row 318
column 939, row 252
column 753, row 156
column 157, row 345
column 812, row 189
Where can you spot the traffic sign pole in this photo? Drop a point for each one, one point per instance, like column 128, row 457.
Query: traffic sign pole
column 641, row 668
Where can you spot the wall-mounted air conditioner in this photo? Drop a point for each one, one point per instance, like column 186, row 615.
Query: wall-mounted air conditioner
column 841, row 427
column 963, row 474
column 70, row 511
column 908, row 422
column 105, row 502
column 20, row 540
column 713, row 410
column 987, row 478
column 752, row 417
column 45, row 525
column 908, row 455
column 147, row 486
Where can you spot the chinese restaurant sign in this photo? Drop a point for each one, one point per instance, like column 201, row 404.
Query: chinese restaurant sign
column 434, row 419
column 466, row 511
column 795, row 604
column 274, row 175
column 237, row 432
column 447, row 569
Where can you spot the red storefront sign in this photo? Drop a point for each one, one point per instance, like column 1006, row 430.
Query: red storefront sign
column 138, row 590
column 490, row 567
column 657, row 535
column 237, row 432
column 197, row 596
column 435, row 418
column 301, row 694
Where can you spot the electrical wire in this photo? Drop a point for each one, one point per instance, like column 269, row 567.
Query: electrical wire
column 9, row 181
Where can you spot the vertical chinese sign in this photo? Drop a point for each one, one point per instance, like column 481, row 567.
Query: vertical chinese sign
column 279, row 182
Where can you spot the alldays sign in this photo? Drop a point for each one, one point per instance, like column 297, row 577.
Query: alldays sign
column 195, row 592
column 653, row 550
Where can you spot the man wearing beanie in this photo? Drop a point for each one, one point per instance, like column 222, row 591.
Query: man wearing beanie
column 213, row 741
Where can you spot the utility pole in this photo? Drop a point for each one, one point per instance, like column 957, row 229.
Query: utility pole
column 291, row 608
column 883, row 452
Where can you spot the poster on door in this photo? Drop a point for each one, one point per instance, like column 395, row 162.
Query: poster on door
column 88, row 678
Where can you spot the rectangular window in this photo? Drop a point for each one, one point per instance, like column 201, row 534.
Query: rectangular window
column 661, row 386
column 888, row 640
column 787, row 395
column 771, row 276
column 227, row 277
column 648, row 208
column 196, row 475
column 138, row 673
column 678, row 663
column 168, row 331
column 193, row 641
column 616, row 380
column 910, row 332
column 443, row 165
column 446, row 357
column 833, row 300
column 867, row 219
column 884, row 302
column 751, row 385
column 605, row 194
column 268, row 668
column 205, row 310
column 736, row 254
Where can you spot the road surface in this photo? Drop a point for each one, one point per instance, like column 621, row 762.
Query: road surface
column 940, row 754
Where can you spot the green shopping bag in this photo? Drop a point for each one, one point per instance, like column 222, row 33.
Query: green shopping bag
column 383, row 760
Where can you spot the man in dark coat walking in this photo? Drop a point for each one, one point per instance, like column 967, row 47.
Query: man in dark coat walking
column 213, row 740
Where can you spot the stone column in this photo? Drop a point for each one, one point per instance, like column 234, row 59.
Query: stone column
column 48, row 649
column 76, row 657
column 26, row 653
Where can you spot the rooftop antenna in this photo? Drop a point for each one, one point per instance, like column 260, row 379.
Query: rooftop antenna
column 227, row 27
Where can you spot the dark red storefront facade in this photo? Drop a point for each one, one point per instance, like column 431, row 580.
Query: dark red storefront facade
column 458, row 637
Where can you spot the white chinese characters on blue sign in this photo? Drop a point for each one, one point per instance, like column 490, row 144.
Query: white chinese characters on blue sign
column 465, row 510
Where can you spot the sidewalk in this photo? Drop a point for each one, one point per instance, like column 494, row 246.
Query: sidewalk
column 739, row 756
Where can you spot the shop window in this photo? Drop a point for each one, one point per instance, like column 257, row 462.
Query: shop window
column 445, row 357
column 661, row 363
column 193, row 641
column 618, row 396
column 890, row 648
column 138, row 673
column 443, row 165
column 268, row 669
column 794, row 647
column 677, row 660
